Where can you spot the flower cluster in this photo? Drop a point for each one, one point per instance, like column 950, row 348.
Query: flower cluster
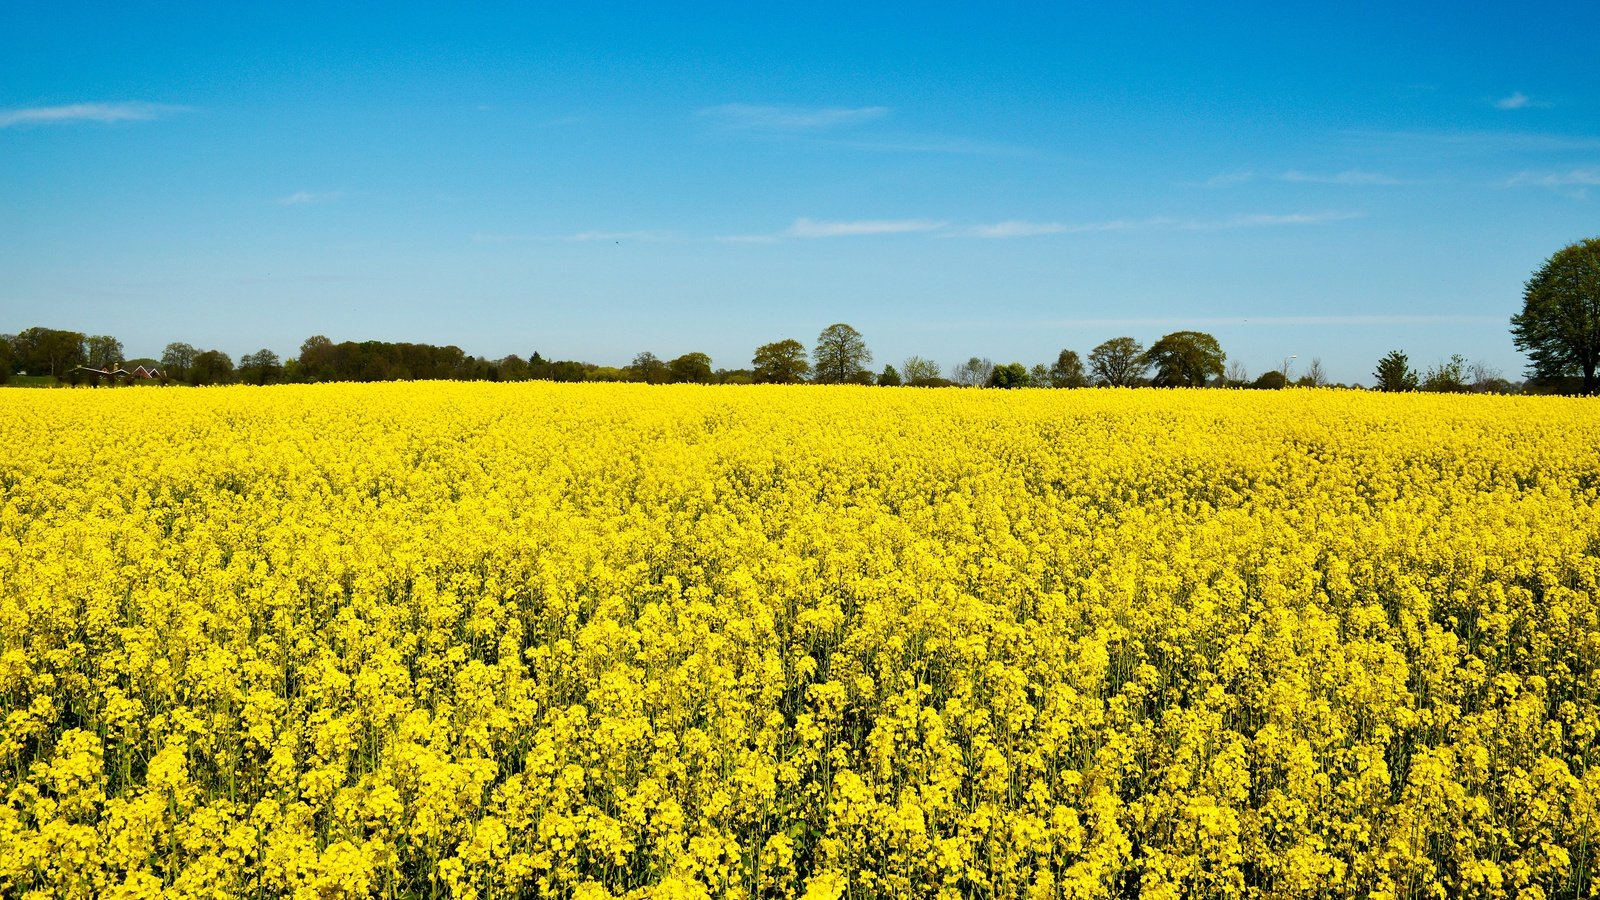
column 596, row 641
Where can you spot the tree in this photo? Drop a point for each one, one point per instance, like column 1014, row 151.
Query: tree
column 319, row 359
column 1272, row 380
column 889, row 378
column 1186, row 359
column 7, row 358
column 841, row 356
column 104, row 351
column 210, row 367
column 649, row 368
column 1394, row 373
column 1118, row 362
column 1236, row 375
column 780, row 362
column 690, row 368
column 1009, row 375
column 1067, row 371
column 919, row 371
column 1448, row 377
column 260, row 367
column 1039, row 375
column 1315, row 376
column 1559, row 326
column 49, row 351
column 972, row 373
column 176, row 360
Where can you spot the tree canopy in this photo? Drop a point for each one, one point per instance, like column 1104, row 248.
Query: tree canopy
column 841, row 356
column 1186, row 359
column 1119, row 362
column 1394, row 373
column 1559, row 326
column 780, row 362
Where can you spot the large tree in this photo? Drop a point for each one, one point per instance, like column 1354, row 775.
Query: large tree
column 1559, row 326
column 260, row 367
column 210, row 367
column 49, row 351
column 841, row 356
column 1119, row 362
column 648, row 367
column 104, row 351
column 176, row 360
column 920, row 371
column 974, row 372
column 1067, row 371
column 780, row 362
column 691, row 368
column 1186, row 359
column 1394, row 373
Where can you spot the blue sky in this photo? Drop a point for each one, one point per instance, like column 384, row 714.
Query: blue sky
column 953, row 180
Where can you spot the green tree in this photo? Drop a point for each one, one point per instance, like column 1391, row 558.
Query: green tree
column 841, row 356
column 176, row 360
column 1009, row 375
column 1119, row 362
column 1067, row 371
column 1448, row 377
column 318, row 360
column 919, row 371
column 890, row 377
column 210, row 367
column 1394, row 373
column 780, row 362
column 260, row 367
column 973, row 373
column 1186, row 359
column 1559, row 326
column 1273, row 380
column 690, row 368
column 49, row 351
column 104, row 351
column 7, row 358
column 649, row 368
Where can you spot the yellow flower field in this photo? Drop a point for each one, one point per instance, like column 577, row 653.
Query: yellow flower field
column 463, row 640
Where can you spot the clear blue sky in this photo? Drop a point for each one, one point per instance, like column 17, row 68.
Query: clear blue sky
column 590, row 180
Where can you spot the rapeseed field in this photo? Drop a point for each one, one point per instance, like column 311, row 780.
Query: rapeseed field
column 443, row 640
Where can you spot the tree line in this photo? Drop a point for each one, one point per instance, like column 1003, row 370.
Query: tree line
column 1558, row 328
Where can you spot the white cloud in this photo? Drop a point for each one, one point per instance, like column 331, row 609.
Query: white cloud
column 303, row 198
column 1264, row 220
column 1016, row 228
column 617, row 236
column 1517, row 100
column 1572, row 178
column 86, row 112
column 1229, row 179
column 811, row 228
column 1347, row 177
column 751, row 117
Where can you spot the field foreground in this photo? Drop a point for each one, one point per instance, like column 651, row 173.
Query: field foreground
column 479, row 640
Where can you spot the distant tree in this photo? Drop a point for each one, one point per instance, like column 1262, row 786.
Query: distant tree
column 1315, row 376
column 260, row 367
column 1008, row 375
column 1186, row 359
column 841, row 356
column 690, row 368
column 104, row 351
column 513, row 368
column 1559, row 326
column 972, row 373
column 176, row 360
column 1448, row 377
column 1394, row 373
column 210, row 367
column 1119, row 362
column 780, row 362
column 890, row 377
column 49, row 351
column 1271, row 380
column 1067, row 371
column 1039, row 375
column 7, row 358
column 318, row 360
column 734, row 376
column 649, row 368
column 1236, row 374
column 919, row 371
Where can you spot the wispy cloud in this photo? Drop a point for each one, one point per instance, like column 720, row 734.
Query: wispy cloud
column 1572, row 178
column 750, row 117
column 306, row 198
column 86, row 112
column 1267, row 220
column 1349, row 178
column 581, row 237
column 1516, row 100
column 812, row 228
